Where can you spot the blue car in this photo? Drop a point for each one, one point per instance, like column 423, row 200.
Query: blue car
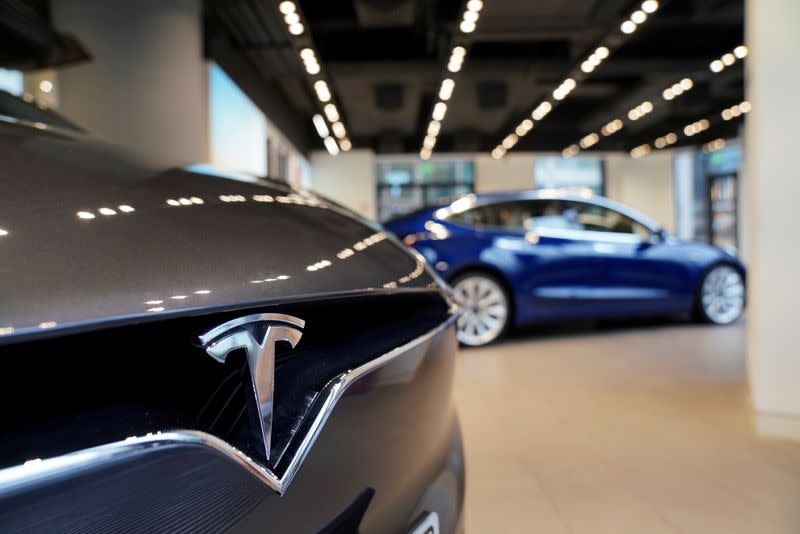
column 532, row 257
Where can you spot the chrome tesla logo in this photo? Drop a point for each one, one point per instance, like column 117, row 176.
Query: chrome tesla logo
column 244, row 333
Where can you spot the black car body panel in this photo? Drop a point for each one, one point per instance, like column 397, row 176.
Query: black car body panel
column 112, row 269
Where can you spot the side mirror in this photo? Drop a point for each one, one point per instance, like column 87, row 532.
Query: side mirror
column 656, row 238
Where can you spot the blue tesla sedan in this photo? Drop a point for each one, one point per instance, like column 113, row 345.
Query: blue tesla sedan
column 531, row 257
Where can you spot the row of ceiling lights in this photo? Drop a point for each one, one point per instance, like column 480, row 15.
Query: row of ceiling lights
column 713, row 146
column 308, row 56
column 640, row 111
column 670, row 93
column 600, row 54
column 737, row 110
column 691, row 130
column 455, row 63
column 677, row 89
column 639, row 16
column 728, row 59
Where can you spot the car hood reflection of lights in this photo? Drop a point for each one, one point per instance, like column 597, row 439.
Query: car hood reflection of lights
column 439, row 231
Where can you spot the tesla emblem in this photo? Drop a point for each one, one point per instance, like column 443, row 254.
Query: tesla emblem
column 257, row 335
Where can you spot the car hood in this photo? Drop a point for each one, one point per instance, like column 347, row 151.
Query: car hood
column 701, row 253
column 94, row 234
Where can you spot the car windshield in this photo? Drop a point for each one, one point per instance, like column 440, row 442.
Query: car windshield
column 15, row 109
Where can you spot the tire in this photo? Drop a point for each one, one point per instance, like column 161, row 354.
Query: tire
column 486, row 308
column 720, row 295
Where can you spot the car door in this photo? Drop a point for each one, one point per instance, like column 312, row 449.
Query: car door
column 632, row 274
column 534, row 243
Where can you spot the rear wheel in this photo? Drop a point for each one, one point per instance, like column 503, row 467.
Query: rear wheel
column 485, row 308
column 721, row 296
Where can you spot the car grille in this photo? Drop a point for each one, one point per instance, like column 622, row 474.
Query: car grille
column 72, row 392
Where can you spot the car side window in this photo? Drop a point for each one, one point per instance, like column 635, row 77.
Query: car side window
column 596, row 218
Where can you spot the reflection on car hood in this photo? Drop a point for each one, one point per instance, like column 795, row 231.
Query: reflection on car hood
column 92, row 234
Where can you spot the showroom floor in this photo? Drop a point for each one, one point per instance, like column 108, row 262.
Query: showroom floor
column 642, row 428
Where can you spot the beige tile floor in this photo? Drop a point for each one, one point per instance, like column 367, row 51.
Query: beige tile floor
column 620, row 429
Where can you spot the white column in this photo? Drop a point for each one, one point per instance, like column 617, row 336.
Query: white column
column 348, row 178
column 772, row 195
column 683, row 171
column 146, row 86
column 645, row 184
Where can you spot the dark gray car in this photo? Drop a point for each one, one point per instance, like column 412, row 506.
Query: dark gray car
column 183, row 351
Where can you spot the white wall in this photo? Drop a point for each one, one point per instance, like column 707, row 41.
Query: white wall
column 514, row 171
column 348, row 178
column 772, row 189
column 146, row 85
column 645, row 184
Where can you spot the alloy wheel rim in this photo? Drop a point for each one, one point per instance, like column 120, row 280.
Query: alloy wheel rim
column 484, row 310
column 723, row 294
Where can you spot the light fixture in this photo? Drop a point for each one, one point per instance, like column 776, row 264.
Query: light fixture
column 570, row 151
column 639, row 16
column 467, row 26
column 628, row 27
column 474, row 5
column 106, row 211
column 666, row 140
column 296, row 29
column 696, row 127
column 728, row 59
column 85, row 215
column 331, row 146
column 471, row 16
column 650, row 6
column 524, row 127
column 319, row 124
column 589, row 140
column 291, row 18
column 456, row 60
column 713, row 146
column 345, row 144
column 312, row 67
column 677, row 89
column 446, row 89
column 338, row 129
column 125, row 208
column 425, row 154
column 541, row 110
column 331, row 112
column 322, row 90
column 287, row 7
column 566, row 87
column 640, row 111
column 434, row 127
column 46, row 86
column 612, row 127
column 736, row 111
column 641, row 151
column 439, row 111
column 498, row 152
column 510, row 140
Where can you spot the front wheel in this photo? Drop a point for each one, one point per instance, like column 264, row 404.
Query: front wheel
column 721, row 296
column 485, row 308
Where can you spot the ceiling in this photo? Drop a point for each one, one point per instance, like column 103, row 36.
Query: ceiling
column 385, row 59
